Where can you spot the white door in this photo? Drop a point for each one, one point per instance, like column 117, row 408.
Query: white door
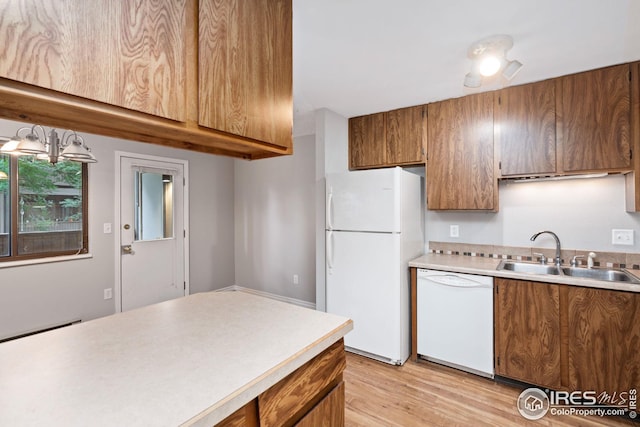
column 363, row 284
column 152, row 231
column 364, row 200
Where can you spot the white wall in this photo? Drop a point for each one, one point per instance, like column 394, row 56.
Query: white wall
column 35, row 296
column 274, row 223
column 581, row 212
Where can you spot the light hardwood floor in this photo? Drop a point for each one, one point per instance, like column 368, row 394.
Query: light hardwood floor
column 427, row 394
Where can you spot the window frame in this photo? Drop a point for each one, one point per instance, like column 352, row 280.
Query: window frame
column 14, row 214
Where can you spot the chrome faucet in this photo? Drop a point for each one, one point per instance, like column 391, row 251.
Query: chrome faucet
column 558, row 259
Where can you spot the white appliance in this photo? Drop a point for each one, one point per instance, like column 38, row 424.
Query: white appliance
column 374, row 226
column 455, row 320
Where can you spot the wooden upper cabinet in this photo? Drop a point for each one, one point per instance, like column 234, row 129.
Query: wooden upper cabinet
column 525, row 129
column 127, row 53
column 632, row 180
column 392, row 138
column 130, row 69
column 460, row 165
column 406, row 136
column 527, row 332
column 245, row 68
column 604, row 332
column 594, row 120
column 367, row 141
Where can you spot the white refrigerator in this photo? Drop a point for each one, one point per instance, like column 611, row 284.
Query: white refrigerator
column 374, row 226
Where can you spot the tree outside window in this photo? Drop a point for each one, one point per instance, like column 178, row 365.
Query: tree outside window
column 43, row 214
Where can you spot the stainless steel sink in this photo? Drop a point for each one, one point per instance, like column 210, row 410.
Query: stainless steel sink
column 609, row 275
column 605, row 274
column 528, row 268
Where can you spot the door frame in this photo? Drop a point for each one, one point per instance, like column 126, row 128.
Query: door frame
column 117, row 294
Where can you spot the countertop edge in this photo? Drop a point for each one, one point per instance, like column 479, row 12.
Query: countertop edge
column 222, row 409
column 488, row 267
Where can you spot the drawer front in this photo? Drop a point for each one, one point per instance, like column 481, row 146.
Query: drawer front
column 303, row 389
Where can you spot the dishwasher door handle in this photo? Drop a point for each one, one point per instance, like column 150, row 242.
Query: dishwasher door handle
column 460, row 282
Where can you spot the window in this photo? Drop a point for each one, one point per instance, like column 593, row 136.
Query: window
column 42, row 208
column 154, row 206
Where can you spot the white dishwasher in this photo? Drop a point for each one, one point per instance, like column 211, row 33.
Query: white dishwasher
column 455, row 320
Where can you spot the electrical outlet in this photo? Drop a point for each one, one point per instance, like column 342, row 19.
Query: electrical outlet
column 622, row 237
column 296, row 279
column 108, row 293
column 454, row 231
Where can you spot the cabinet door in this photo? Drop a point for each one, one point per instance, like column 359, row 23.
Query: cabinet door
column 406, row 136
column 527, row 331
column 128, row 53
column 289, row 399
column 367, row 141
column 245, row 68
column 329, row 412
column 247, row 416
column 525, row 129
column 604, row 337
column 594, row 117
column 460, row 165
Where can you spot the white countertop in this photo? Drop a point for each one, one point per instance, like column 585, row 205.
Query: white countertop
column 488, row 267
column 191, row 361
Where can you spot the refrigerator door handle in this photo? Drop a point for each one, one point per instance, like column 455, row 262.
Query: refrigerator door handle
column 328, row 210
column 329, row 251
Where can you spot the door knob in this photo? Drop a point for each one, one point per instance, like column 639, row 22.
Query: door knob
column 127, row 249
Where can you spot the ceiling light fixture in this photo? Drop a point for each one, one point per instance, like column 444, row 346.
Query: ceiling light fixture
column 48, row 147
column 489, row 57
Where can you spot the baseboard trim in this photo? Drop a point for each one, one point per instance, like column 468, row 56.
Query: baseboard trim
column 293, row 301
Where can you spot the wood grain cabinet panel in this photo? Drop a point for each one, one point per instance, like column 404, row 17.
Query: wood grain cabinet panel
column 406, row 136
column 460, row 165
column 298, row 393
column 329, row 412
column 247, row 416
column 604, row 338
column 367, row 143
column 525, row 129
column 527, row 331
column 594, row 112
column 245, row 68
column 210, row 76
column 632, row 180
column 128, row 53
column 392, row 138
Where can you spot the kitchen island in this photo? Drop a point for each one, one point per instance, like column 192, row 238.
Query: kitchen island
column 191, row 361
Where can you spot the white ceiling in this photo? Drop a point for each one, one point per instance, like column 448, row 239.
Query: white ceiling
column 358, row 57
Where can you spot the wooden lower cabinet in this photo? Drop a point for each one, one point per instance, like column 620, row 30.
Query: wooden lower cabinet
column 603, row 340
column 567, row 337
column 313, row 395
column 527, row 331
column 247, row 416
column 329, row 412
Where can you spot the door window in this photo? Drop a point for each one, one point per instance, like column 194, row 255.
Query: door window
column 154, row 206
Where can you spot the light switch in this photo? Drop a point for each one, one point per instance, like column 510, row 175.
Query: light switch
column 106, row 227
